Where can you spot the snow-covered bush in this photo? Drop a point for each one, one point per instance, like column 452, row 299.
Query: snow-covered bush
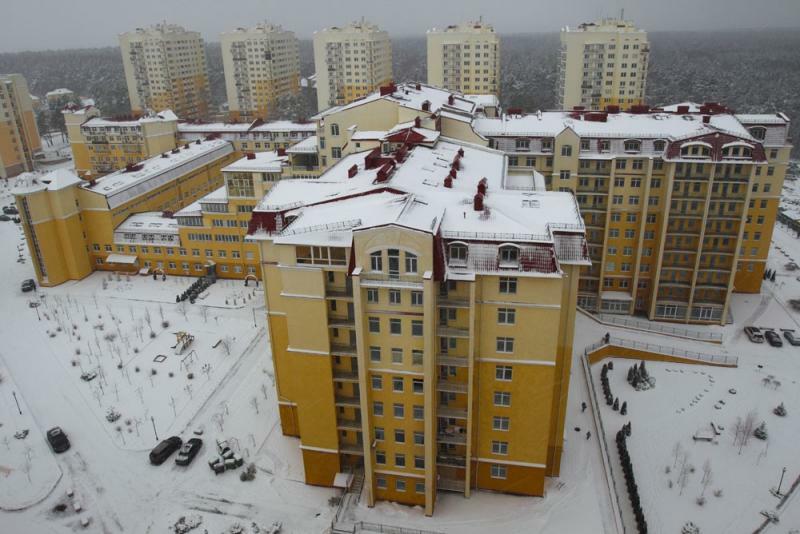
column 112, row 415
column 761, row 431
column 780, row 410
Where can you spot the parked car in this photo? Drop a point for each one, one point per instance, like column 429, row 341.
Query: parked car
column 10, row 210
column 773, row 338
column 4, row 218
column 58, row 440
column 164, row 450
column 791, row 337
column 188, row 451
column 28, row 285
column 754, row 334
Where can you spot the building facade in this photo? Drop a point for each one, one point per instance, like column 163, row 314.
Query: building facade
column 165, row 68
column 350, row 62
column 19, row 135
column 103, row 145
column 602, row 63
column 253, row 136
column 262, row 64
column 388, row 306
column 465, row 58
column 679, row 202
column 122, row 221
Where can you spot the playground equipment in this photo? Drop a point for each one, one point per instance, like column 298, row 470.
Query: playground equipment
column 184, row 339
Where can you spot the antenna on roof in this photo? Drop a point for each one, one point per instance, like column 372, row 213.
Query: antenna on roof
column 622, row 14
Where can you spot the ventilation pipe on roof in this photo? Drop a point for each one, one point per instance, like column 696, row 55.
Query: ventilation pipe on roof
column 461, row 152
column 451, row 100
column 417, row 122
column 453, row 173
column 175, row 150
column 426, row 106
column 477, row 202
column 281, row 152
column 165, row 155
column 682, row 110
column 197, row 142
column 251, row 155
column 706, row 119
column 352, row 171
column 418, row 87
column 483, row 185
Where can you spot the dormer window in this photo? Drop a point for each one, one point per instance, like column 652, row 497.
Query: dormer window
column 604, row 145
column 509, row 256
column 695, row 150
column 523, row 144
column 547, row 144
column 633, row 145
column 659, row 145
column 758, row 132
column 376, row 261
column 458, row 254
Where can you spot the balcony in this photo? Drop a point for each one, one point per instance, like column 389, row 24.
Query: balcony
column 343, row 350
column 398, row 281
column 452, row 331
column 454, row 361
column 452, row 436
column 451, row 412
column 342, row 400
column 356, row 449
column 341, row 322
column 451, row 460
column 450, row 386
column 340, row 375
column 339, row 293
column 349, row 424
column 450, row 484
column 453, row 302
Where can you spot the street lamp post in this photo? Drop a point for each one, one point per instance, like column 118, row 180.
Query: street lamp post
column 783, row 472
column 17, row 401
column 153, row 420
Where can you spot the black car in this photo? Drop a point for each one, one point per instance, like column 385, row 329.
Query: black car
column 5, row 218
column 791, row 337
column 28, row 285
column 164, row 450
column 57, row 439
column 10, row 210
column 189, row 451
column 773, row 338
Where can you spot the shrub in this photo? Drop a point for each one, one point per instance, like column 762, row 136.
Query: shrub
column 136, row 350
column 74, row 363
column 136, row 368
column 152, row 334
column 164, row 324
column 190, row 376
column 171, row 374
column 153, row 372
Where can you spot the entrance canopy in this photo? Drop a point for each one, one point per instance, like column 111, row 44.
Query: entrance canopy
column 124, row 259
column 342, row 480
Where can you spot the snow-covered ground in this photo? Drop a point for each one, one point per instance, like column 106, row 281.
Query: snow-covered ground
column 686, row 401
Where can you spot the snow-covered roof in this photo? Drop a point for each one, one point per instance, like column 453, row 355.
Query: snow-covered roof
column 484, row 100
column 762, row 118
column 165, row 116
column 148, row 222
column 330, row 208
column 427, row 134
column 693, row 107
column 309, row 145
column 30, row 182
column 258, row 162
column 192, row 210
column 62, row 91
column 218, row 195
column 124, row 185
column 242, row 127
column 368, row 135
column 617, row 125
column 412, row 95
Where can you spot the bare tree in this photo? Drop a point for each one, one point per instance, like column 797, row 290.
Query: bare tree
column 148, row 319
column 182, row 309
column 204, row 313
column 683, row 474
column 227, row 344
column 161, row 312
column 264, row 391
column 707, row 476
column 254, row 403
column 676, row 452
column 219, row 419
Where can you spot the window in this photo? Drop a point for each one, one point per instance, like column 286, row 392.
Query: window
column 620, row 164
column 419, row 438
column 416, row 298
column 379, row 435
column 503, row 372
column 564, row 175
column 659, row 145
column 505, row 344
column 398, row 410
column 416, row 357
column 509, row 254
column 498, row 471
column 397, row 355
column 372, row 295
column 399, row 435
column 380, row 458
column 416, row 328
column 500, row 423
column 566, row 150
column 759, row 132
column 458, row 253
column 334, row 129
column 394, row 296
column 376, row 261
column 418, row 412
column 502, row 398
column 380, row 481
column 419, row 462
column 374, row 325
column 506, row 315
column 397, row 384
column 523, row 144
column 377, row 408
column 499, row 447
column 375, row 354
column 508, row 285
column 419, row 487
column 411, row 263
column 633, row 146
column 394, row 327
column 377, row 382
column 417, row 385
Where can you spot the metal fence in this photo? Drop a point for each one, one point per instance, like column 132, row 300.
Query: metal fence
column 719, row 359
column 362, row 526
column 688, row 333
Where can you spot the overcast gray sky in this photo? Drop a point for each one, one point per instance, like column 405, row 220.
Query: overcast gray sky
column 42, row 24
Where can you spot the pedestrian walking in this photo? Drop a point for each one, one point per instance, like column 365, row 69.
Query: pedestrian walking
column 583, row 407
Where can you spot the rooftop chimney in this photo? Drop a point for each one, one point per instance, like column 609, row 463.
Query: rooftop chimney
column 706, row 119
column 418, row 87
column 251, row 155
column 426, row 106
column 682, row 110
column 417, row 122
column 448, row 182
column 352, row 171
column 388, row 89
column 281, row 151
column 451, row 100
column 482, row 186
column 477, row 202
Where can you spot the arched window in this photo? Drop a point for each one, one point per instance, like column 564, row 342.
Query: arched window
column 633, row 145
column 334, row 129
column 509, row 255
column 458, row 254
column 695, row 150
column 758, row 132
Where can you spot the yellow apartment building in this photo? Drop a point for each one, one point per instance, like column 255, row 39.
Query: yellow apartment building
column 602, row 63
column 679, row 202
column 103, row 145
column 165, row 68
column 465, row 58
column 71, row 225
column 262, row 64
column 350, row 62
column 19, row 136
column 421, row 313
